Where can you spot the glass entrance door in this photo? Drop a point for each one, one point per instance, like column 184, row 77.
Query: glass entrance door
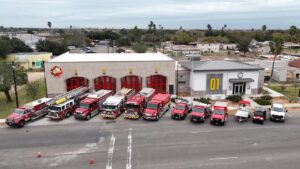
column 239, row 88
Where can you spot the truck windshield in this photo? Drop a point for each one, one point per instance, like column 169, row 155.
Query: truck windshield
column 85, row 106
column 180, row 107
column 132, row 106
column 198, row 109
column 54, row 108
column 18, row 111
column 112, row 107
column 219, row 112
column 258, row 113
column 278, row 109
column 152, row 106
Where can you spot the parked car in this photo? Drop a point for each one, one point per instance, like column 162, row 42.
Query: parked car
column 259, row 115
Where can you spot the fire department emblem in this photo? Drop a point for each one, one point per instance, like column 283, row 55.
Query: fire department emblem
column 56, row 71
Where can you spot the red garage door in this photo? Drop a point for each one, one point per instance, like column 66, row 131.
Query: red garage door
column 75, row 82
column 157, row 82
column 105, row 82
column 132, row 82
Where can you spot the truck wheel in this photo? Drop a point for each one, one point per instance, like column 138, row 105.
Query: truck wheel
column 68, row 114
column 88, row 117
column 157, row 118
column 21, row 124
column 283, row 121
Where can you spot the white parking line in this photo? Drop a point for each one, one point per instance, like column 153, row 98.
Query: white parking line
column 110, row 152
column 129, row 150
column 223, row 158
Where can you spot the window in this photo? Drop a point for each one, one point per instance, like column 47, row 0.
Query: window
column 297, row 76
column 33, row 64
column 63, row 107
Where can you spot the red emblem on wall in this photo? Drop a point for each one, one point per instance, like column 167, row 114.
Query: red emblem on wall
column 56, row 71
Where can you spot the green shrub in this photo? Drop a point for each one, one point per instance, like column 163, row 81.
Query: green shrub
column 266, row 97
column 203, row 100
column 263, row 102
column 234, row 98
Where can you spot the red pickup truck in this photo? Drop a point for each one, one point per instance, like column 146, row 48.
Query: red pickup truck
column 157, row 106
column 200, row 113
column 219, row 114
column 29, row 111
column 182, row 109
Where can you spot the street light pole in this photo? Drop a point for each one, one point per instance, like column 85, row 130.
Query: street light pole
column 15, row 82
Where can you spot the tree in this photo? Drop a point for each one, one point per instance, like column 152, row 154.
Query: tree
column 276, row 49
column 123, row 42
column 209, row 31
column 243, row 45
column 5, row 48
column 264, row 27
column 182, row 38
column 49, row 24
column 135, row 34
column 293, row 31
column 32, row 89
column 7, row 78
column 139, row 48
column 49, row 46
column 74, row 38
column 19, row 46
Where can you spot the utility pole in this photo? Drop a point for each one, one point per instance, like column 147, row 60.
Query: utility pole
column 15, row 82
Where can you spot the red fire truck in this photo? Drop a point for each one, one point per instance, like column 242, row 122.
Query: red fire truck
column 64, row 105
column 29, row 111
column 113, row 106
column 219, row 114
column 92, row 105
column 157, row 106
column 135, row 105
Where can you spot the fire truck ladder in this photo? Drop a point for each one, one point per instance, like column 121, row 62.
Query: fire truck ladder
column 71, row 94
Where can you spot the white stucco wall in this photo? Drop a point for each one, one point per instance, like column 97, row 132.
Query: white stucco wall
column 198, row 80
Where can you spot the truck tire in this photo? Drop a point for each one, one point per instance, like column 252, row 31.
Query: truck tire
column 21, row 124
column 88, row 117
column 68, row 114
column 157, row 118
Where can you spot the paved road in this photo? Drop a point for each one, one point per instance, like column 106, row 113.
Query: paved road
column 167, row 144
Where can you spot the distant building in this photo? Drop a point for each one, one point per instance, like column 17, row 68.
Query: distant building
column 218, row 79
column 283, row 72
column 260, row 47
column 209, row 47
column 32, row 60
column 228, row 46
column 184, row 50
column 291, row 45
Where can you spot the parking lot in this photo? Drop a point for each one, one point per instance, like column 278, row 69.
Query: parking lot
column 139, row 144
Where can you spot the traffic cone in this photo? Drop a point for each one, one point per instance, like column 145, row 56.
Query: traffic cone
column 39, row 155
column 91, row 161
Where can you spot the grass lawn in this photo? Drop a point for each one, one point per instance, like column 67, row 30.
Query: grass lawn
column 291, row 92
column 6, row 108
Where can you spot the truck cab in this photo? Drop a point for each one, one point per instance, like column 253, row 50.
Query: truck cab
column 91, row 105
column 134, row 107
column 199, row 113
column 180, row 111
column 277, row 112
column 62, row 110
column 259, row 115
column 219, row 114
column 113, row 107
column 29, row 111
column 157, row 106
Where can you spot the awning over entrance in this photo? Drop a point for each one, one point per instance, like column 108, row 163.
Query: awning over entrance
column 242, row 80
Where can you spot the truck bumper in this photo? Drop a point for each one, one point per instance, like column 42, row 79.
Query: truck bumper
column 80, row 117
column 177, row 116
column 197, row 119
column 54, row 117
column 131, row 116
column 11, row 124
column 150, row 117
column 280, row 119
column 108, row 116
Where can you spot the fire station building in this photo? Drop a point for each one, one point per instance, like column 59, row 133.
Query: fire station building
column 111, row 71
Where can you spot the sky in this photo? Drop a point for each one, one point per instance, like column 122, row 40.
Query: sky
column 190, row 14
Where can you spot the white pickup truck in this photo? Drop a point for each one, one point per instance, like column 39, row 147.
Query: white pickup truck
column 278, row 113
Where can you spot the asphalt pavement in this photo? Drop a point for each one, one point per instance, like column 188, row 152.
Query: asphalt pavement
column 139, row 144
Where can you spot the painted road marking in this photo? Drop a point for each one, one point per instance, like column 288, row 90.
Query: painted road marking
column 110, row 152
column 129, row 150
column 223, row 158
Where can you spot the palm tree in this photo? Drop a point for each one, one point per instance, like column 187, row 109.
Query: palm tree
column 276, row 49
column 49, row 24
column 264, row 27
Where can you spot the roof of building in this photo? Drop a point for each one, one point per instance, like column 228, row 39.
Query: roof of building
column 218, row 65
column 295, row 63
column 110, row 57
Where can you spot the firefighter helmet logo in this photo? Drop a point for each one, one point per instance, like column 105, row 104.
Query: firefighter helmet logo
column 56, row 71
